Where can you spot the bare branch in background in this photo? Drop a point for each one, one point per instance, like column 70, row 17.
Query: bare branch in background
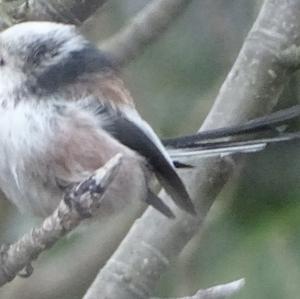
column 143, row 29
column 124, row 46
column 82, row 200
column 251, row 88
column 64, row 11
column 222, row 291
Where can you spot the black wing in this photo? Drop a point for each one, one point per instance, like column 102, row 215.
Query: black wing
column 134, row 137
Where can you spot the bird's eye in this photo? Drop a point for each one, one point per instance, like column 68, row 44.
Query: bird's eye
column 38, row 53
column 2, row 62
column 53, row 53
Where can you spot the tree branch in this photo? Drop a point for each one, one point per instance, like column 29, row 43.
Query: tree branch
column 252, row 88
column 143, row 29
column 64, row 11
column 217, row 292
column 79, row 203
column 156, row 17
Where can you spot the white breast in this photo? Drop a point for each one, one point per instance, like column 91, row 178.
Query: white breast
column 24, row 136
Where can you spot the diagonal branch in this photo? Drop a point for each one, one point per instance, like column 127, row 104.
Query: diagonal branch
column 80, row 202
column 251, row 88
column 143, row 29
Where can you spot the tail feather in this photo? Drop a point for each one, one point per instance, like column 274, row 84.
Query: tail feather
column 269, row 123
column 231, row 147
column 153, row 200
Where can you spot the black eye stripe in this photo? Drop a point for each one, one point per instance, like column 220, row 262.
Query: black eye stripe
column 40, row 49
column 77, row 63
column 36, row 54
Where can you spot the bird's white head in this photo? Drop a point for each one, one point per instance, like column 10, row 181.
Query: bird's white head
column 45, row 56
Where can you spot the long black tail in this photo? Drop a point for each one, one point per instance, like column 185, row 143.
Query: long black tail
column 251, row 136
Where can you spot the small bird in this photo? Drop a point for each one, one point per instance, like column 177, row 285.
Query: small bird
column 64, row 112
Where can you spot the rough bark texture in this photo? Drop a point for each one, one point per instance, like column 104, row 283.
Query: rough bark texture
column 65, row 218
column 251, row 89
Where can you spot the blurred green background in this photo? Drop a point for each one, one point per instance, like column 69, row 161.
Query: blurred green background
column 253, row 228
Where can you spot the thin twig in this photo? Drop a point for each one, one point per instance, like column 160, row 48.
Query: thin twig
column 80, row 202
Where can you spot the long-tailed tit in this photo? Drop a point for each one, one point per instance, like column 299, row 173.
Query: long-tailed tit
column 64, row 112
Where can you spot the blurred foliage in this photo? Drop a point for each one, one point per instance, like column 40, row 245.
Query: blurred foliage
column 253, row 228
